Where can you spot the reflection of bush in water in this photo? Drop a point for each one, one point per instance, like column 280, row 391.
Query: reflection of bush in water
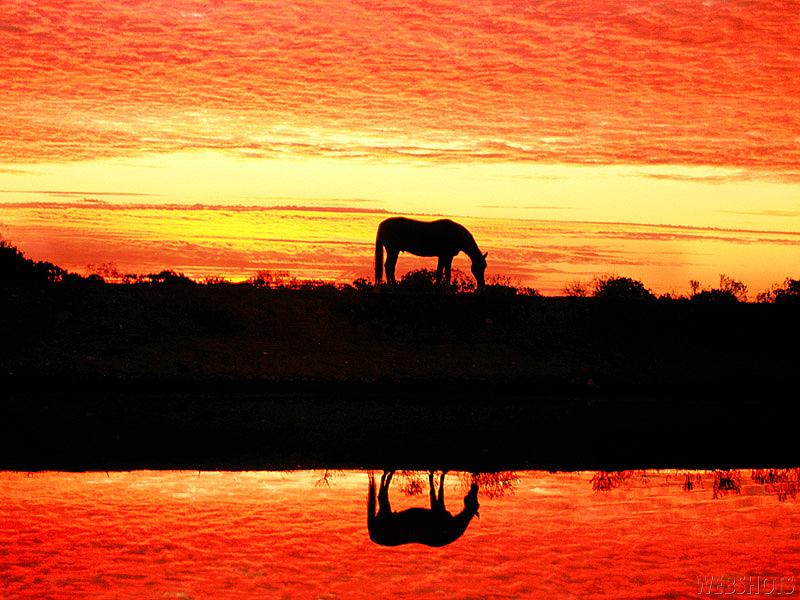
column 727, row 482
column 691, row 481
column 603, row 481
column 783, row 483
column 414, row 483
column 491, row 485
column 328, row 475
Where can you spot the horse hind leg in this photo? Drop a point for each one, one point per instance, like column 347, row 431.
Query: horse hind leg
column 440, row 499
column 390, row 264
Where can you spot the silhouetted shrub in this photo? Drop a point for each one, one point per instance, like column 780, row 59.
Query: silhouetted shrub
column 621, row 288
column 461, row 282
column 501, row 285
column 270, row 280
column 424, row 281
column 168, row 277
column 576, row 289
column 362, row 284
column 528, row 291
column 496, row 290
column 419, row 280
column 788, row 293
column 714, row 296
column 730, row 291
column 215, row 280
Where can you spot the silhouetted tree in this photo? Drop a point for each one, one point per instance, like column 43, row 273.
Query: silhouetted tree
column 94, row 278
column 733, row 287
column 621, row 288
column 15, row 269
column 108, row 271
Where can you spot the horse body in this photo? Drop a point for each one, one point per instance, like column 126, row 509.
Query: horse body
column 433, row 526
column 443, row 238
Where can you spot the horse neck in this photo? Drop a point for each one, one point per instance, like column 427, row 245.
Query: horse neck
column 470, row 247
column 462, row 519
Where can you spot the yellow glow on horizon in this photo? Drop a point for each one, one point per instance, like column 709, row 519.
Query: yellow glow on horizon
column 697, row 196
column 530, row 237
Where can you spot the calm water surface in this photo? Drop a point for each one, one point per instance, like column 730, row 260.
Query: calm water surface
column 303, row 534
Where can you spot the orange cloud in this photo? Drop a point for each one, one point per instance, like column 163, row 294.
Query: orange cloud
column 586, row 82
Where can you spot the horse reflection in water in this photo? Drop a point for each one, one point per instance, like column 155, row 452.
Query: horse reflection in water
column 433, row 526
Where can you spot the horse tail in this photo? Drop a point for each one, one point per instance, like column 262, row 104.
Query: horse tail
column 379, row 255
column 371, row 502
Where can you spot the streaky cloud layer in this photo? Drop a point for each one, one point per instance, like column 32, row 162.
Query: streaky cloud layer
column 587, row 81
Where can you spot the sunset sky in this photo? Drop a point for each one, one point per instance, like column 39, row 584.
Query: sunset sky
column 566, row 135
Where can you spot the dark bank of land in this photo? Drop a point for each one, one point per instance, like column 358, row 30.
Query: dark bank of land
column 99, row 376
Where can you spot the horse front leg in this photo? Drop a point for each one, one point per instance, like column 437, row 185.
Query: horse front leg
column 383, row 493
column 442, row 267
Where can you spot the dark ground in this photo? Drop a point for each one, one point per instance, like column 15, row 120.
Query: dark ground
column 188, row 376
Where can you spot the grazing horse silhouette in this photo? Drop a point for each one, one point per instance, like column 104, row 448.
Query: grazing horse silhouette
column 443, row 238
column 432, row 526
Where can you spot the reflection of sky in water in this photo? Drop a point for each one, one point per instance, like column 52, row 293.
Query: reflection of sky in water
column 243, row 535
column 236, row 243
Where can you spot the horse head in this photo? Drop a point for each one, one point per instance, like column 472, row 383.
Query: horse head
column 471, row 504
column 479, row 268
